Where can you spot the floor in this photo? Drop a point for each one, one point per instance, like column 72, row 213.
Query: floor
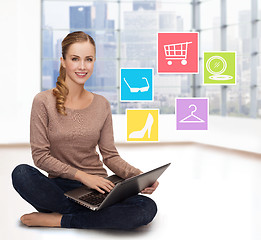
column 207, row 193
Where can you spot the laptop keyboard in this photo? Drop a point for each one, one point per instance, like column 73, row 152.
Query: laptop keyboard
column 94, row 198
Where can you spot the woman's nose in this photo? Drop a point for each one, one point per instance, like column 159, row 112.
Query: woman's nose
column 82, row 65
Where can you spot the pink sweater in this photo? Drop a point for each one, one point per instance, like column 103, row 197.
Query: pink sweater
column 62, row 144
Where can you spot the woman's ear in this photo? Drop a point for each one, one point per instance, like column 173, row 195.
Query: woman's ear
column 62, row 62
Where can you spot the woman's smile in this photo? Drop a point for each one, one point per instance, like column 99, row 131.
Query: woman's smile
column 81, row 74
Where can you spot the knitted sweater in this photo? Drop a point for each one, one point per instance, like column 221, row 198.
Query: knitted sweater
column 61, row 145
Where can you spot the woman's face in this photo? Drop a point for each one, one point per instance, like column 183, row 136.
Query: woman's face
column 79, row 62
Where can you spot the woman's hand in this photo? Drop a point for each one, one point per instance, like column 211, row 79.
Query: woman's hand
column 95, row 182
column 150, row 190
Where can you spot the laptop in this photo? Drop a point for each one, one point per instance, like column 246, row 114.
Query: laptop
column 123, row 189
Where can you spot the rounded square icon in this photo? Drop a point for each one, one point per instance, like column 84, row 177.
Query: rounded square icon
column 219, row 68
column 178, row 52
column 137, row 84
column 192, row 113
column 142, row 125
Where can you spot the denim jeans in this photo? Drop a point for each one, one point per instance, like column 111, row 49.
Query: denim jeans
column 47, row 195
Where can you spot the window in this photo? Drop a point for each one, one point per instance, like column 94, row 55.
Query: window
column 121, row 43
column 230, row 25
column 125, row 32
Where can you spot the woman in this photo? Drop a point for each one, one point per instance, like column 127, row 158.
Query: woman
column 67, row 123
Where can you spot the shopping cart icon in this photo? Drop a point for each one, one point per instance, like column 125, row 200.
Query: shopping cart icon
column 176, row 51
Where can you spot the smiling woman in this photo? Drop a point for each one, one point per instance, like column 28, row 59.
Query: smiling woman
column 67, row 124
column 77, row 62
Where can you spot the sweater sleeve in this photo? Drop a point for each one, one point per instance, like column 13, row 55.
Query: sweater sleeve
column 40, row 144
column 111, row 157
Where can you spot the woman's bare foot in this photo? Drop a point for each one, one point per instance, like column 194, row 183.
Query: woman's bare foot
column 37, row 219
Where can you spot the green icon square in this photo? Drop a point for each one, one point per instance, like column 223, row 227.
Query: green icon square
column 219, row 68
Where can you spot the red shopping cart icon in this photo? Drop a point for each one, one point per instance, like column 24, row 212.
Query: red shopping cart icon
column 177, row 51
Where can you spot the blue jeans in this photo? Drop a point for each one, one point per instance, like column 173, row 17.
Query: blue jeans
column 47, row 195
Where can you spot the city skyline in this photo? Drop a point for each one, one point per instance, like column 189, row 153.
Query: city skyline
column 81, row 17
column 134, row 52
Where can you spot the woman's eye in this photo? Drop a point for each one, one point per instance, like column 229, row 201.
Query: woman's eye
column 89, row 59
column 74, row 59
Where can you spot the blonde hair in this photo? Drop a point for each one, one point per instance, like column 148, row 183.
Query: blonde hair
column 61, row 91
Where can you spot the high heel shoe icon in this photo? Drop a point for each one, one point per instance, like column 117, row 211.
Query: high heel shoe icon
column 141, row 133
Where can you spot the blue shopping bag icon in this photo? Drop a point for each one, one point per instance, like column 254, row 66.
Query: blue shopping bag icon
column 137, row 84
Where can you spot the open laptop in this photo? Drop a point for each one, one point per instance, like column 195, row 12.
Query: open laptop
column 123, row 189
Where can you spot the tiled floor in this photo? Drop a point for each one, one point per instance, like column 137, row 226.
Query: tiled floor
column 207, row 193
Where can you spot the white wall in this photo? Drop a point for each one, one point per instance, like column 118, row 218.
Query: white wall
column 228, row 132
column 20, row 66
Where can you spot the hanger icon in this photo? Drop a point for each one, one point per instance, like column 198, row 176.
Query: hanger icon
column 142, row 89
column 192, row 118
